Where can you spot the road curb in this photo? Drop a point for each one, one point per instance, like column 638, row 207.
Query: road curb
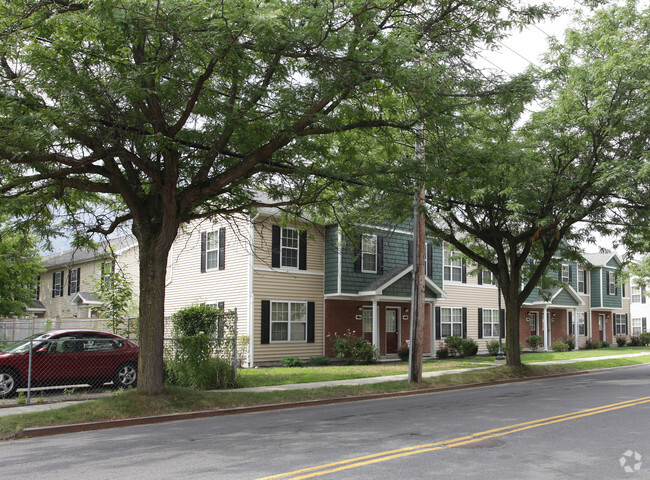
column 172, row 417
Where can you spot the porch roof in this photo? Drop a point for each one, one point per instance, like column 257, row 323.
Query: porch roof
column 570, row 299
column 85, row 298
column 381, row 284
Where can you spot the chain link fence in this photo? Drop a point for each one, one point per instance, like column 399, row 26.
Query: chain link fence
column 56, row 357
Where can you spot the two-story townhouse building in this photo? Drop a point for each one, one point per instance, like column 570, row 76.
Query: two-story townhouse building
column 272, row 274
column 609, row 307
column 368, row 285
column 66, row 287
column 639, row 308
column 471, row 307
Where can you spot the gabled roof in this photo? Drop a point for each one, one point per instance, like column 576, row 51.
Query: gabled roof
column 78, row 255
column 36, row 306
column 602, row 259
column 386, row 280
column 539, row 300
column 85, row 298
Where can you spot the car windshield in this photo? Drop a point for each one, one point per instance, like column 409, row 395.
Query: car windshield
column 22, row 346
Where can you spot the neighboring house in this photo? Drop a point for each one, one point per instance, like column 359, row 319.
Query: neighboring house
column 639, row 308
column 66, row 287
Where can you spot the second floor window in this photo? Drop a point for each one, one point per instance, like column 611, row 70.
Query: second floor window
column 582, row 281
column 611, row 283
column 565, row 273
column 57, row 284
column 452, row 266
column 212, row 250
column 289, row 247
column 369, row 253
column 73, row 280
column 636, row 294
column 107, row 270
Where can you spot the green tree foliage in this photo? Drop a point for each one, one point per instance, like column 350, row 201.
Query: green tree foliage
column 156, row 113
column 20, row 265
column 115, row 290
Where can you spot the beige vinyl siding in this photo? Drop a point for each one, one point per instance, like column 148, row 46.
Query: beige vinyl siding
column 473, row 297
column 288, row 284
column 187, row 285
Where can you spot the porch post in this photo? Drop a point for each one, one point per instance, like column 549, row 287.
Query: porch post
column 576, row 331
column 375, row 323
column 545, row 327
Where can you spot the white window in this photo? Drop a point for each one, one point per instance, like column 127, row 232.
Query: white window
column 451, row 321
column 212, row 250
column 57, row 284
column 369, row 254
column 289, row 247
column 487, row 277
column 620, row 324
column 288, row 321
column 490, row 323
column 452, row 266
column 107, row 270
column 582, row 281
column 637, row 326
column 636, row 294
column 73, row 281
column 367, row 320
column 565, row 273
column 611, row 288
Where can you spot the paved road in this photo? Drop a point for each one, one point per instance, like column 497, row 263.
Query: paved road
column 572, row 427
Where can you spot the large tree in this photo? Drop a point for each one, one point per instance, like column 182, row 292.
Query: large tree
column 161, row 112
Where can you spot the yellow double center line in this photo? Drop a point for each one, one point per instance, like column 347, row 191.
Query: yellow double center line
column 454, row 442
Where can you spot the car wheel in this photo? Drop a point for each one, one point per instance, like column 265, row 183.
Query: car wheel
column 8, row 383
column 126, row 375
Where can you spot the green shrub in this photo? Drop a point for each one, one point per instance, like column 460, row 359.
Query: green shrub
column 645, row 338
column 455, row 345
column 621, row 340
column 207, row 374
column 319, row 361
column 534, row 342
column 468, row 348
column 492, row 347
column 592, row 343
column 442, row 352
column 604, row 344
column 291, row 362
column 403, row 352
column 559, row 346
column 351, row 347
column 570, row 341
column 635, row 341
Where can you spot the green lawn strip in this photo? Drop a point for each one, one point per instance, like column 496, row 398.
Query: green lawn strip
column 131, row 404
column 601, row 352
column 261, row 377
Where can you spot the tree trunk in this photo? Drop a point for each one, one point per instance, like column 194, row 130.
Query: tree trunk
column 153, row 266
column 513, row 352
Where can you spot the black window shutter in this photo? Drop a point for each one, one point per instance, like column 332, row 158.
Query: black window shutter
column 570, row 315
column 409, row 254
column 464, row 271
column 54, row 285
column 479, row 279
column 464, row 322
column 302, row 252
column 430, row 260
column 644, row 324
column 623, row 289
column 204, row 247
column 586, row 315
column 221, row 306
column 438, row 333
column 607, row 282
column 480, row 322
column 502, row 321
column 69, row 280
column 584, row 274
column 570, row 274
column 559, row 274
column 78, row 280
column 266, row 321
column 275, row 246
column 627, row 330
column 357, row 255
column 615, row 284
column 380, row 255
column 222, row 248
column 311, row 321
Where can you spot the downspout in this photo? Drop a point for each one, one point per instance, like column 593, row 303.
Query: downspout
column 251, row 299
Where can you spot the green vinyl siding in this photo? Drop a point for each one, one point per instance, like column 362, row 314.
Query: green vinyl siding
column 611, row 301
column 565, row 299
column 331, row 259
column 596, row 289
column 401, row 288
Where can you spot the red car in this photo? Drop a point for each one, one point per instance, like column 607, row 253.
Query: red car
column 65, row 357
